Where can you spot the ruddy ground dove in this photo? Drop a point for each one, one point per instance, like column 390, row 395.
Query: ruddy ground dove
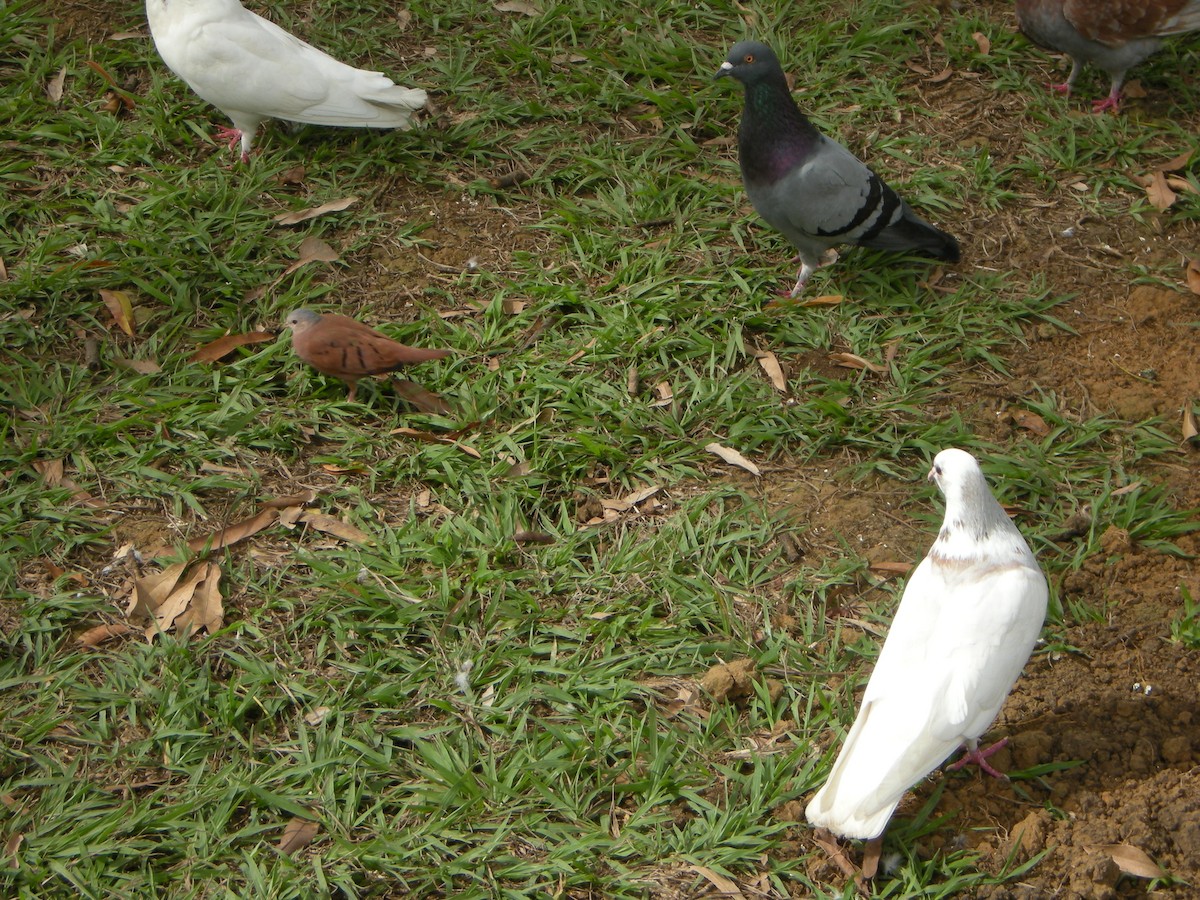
column 347, row 349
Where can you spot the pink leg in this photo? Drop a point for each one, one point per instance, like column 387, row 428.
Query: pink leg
column 231, row 137
column 979, row 757
column 1064, row 88
column 1112, row 101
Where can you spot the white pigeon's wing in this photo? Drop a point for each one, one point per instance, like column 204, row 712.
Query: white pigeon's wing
column 949, row 660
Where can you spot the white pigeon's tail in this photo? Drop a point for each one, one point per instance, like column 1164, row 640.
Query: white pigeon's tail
column 356, row 98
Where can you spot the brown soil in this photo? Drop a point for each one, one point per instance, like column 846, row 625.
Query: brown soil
column 1125, row 700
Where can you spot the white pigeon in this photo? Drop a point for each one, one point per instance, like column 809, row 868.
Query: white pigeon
column 966, row 624
column 252, row 70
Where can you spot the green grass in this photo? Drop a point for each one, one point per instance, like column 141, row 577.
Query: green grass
column 559, row 765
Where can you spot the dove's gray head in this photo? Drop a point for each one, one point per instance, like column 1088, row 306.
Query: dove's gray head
column 750, row 62
column 300, row 319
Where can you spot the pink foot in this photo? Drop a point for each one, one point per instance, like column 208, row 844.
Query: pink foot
column 1112, row 101
column 231, row 137
column 979, row 757
column 1064, row 88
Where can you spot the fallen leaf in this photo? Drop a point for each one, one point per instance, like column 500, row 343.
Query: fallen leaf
column 11, row 848
column 207, row 610
column 96, row 636
column 1177, row 163
column 726, row 887
column 422, row 399
column 430, row 437
column 892, row 568
column 303, row 215
column 1132, row 861
column 1181, row 184
column 151, row 591
column 120, row 304
column 982, row 42
column 941, row 76
column 1030, row 422
column 774, row 371
column 297, row 834
column 294, row 175
column 1133, row 89
column 54, row 88
column 854, row 361
column 512, row 306
column 335, row 527
column 732, row 457
column 1122, row 491
column 143, row 366
column 664, row 393
column 1189, row 429
column 532, row 537
column 317, row 716
column 51, row 471
column 231, row 534
column 223, row 346
column 312, row 249
column 1193, row 275
column 823, row 300
column 641, row 495
column 519, row 6
column 301, row 499
column 171, row 608
column 1158, row 192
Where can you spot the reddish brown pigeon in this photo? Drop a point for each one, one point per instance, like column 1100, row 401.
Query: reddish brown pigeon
column 347, row 349
column 1115, row 35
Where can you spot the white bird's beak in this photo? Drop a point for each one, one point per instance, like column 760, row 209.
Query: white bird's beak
column 724, row 69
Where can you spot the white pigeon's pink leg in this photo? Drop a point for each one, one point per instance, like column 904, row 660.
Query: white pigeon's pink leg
column 980, row 757
column 1069, row 85
column 802, row 277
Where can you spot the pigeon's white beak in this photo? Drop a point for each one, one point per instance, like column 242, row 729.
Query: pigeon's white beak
column 724, row 69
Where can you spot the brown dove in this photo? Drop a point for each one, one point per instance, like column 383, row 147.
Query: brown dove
column 1115, row 35
column 347, row 349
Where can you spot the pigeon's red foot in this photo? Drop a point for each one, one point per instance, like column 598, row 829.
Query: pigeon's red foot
column 980, row 757
column 228, row 136
column 1112, row 101
column 1064, row 88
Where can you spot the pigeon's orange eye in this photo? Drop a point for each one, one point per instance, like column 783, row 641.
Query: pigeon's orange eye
column 748, row 58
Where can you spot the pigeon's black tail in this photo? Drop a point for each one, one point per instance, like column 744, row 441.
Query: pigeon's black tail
column 911, row 233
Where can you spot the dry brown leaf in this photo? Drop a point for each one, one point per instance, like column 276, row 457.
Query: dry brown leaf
column 335, row 527
column 312, row 249
column 231, row 534
column 51, row 471
column 143, row 366
column 854, row 361
column 11, row 848
column 664, row 393
column 770, row 365
column 633, row 380
column 430, row 437
column 151, row 591
column 982, row 42
column 1177, row 163
column 1030, row 422
column 1158, row 192
column 207, row 610
column 223, row 346
column 1193, row 275
column 303, row 215
column 941, row 76
column 1133, row 861
column 640, row 496
column 297, row 834
column 96, row 636
column 54, row 89
column 303, row 498
column 823, row 300
column 1133, row 89
column 422, row 399
column 1189, row 429
column 317, row 716
column 519, row 6
column 532, row 537
column 171, row 608
column 512, row 306
column 727, row 887
column 120, row 304
column 1182, row 184
column 892, row 568
column 732, row 457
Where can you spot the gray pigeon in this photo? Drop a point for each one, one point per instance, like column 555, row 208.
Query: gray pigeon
column 809, row 187
column 1115, row 35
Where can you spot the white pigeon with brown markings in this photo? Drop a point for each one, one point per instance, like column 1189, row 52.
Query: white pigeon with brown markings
column 251, row 70
column 967, row 622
